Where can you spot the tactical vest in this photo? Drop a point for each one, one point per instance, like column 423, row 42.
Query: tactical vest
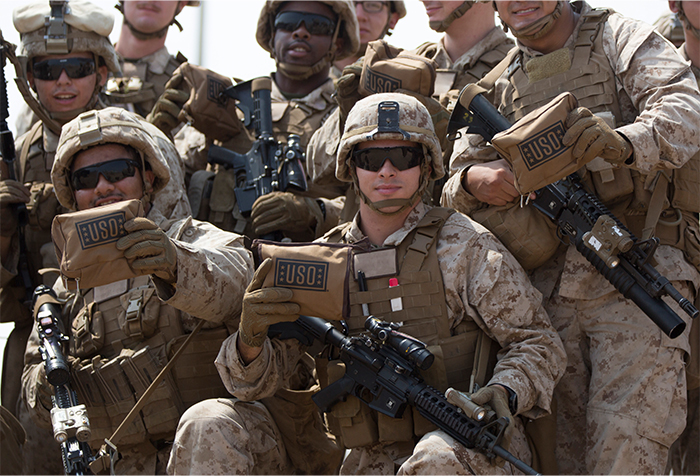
column 36, row 157
column 653, row 204
column 139, row 88
column 464, row 356
column 448, row 79
column 123, row 336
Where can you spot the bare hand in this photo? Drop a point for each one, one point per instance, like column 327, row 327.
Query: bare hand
column 491, row 182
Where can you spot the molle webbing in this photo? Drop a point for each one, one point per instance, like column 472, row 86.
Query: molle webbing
column 590, row 77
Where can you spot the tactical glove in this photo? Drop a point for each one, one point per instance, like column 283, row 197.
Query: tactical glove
column 496, row 398
column 284, row 211
column 347, row 90
column 592, row 137
column 166, row 112
column 148, row 249
column 11, row 192
column 264, row 307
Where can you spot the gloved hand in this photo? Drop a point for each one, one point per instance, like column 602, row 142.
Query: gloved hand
column 11, row 192
column 592, row 137
column 264, row 307
column 496, row 398
column 284, row 211
column 347, row 90
column 165, row 114
column 148, row 249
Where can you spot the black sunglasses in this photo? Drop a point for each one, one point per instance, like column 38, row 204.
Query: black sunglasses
column 314, row 24
column 403, row 158
column 113, row 170
column 50, row 69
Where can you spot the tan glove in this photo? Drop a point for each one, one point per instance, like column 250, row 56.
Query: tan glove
column 347, row 90
column 284, row 211
column 264, row 307
column 166, row 112
column 592, row 137
column 11, row 192
column 148, row 249
column 496, row 398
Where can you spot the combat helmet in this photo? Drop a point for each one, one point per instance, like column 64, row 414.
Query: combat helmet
column 156, row 34
column 398, row 6
column 414, row 125
column 56, row 29
column 111, row 125
column 347, row 28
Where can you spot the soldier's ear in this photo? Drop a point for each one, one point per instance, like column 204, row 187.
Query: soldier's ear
column 148, row 179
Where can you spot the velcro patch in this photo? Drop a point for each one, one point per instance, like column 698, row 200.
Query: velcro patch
column 301, row 274
column 381, row 83
column 544, row 146
column 101, row 230
column 215, row 88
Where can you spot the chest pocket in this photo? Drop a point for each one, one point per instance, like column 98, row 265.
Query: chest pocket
column 139, row 313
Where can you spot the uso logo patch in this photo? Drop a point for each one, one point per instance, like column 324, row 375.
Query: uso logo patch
column 543, row 147
column 381, row 83
column 301, row 274
column 215, row 88
column 101, row 230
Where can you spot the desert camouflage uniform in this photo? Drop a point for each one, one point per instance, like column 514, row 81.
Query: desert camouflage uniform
column 621, row 402
column 483, row 283
column 213, row 270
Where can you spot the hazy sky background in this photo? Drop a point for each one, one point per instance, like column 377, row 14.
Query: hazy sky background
column 220, row 35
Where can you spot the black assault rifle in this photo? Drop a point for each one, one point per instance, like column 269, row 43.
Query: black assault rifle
column 269, row 165
column 71, row 427
column 381, row 369
column 597, row 234
column 7, row 149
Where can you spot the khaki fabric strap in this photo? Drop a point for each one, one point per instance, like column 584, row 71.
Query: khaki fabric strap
column 482, row 352
column 488, row 81
column 656, row 205
column 424, row 238
column 35, row 133
column 101, row 462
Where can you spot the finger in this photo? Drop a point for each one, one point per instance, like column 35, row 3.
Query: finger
column 175, row 95
column 166, row 107
column 583, row 144
column 144, row 249
column 269, row 295
column 260, row 275
column 140, row 236
column 482, row 396
column 174, row 82
column 139, row 223
column 263, row 228
column 278, row 312
column 576, row 115
column 576, row 129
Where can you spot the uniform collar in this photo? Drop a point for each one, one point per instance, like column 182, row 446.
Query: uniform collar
column 156, row 61
column 354, row 234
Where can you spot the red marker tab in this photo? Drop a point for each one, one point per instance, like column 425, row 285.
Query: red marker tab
column 396, row 303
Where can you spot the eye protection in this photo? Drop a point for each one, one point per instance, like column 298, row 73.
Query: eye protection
column 403, row 158
column 75, row 68
column 370, row 7
column 314, row 24
column 113, row 170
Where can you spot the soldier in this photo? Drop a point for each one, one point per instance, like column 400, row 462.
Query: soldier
column 59, row 79
column 478, row 288
column 304, row 38
column 670, row 26
column 685, row 459
column 376, row 20
column 145, row 61
column 621, row 402
column 471, row 46
column 122, row 334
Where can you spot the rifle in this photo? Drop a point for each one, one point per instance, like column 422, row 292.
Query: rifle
column 623, row 259
column 381, row 369
column 69, row 419
column 7, row 149
column 269, row 165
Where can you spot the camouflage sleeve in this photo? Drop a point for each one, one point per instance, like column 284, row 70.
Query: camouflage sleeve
column 273, row 369
column 485, row 283
column 661, row 87
column 213, row 271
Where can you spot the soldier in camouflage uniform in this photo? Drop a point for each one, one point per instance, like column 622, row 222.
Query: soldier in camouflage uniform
column 467, row 287
column 376, row 19
column 621, row 402
column 670, row 26
column 685, row 457
column 122, row 334
column 301, row 102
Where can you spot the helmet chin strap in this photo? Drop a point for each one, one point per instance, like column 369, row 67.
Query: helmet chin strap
column 442, row 25
column 686, row 22
column 539, row 28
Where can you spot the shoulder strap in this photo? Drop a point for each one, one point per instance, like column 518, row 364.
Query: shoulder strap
column 488, row 81
column 424, row 237
column 34, row 134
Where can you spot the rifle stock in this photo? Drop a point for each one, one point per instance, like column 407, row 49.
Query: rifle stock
column 382, row 371
column 580, row 215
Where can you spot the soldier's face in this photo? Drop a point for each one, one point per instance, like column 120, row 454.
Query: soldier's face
column 65, row 93
column 372, row 23
column 300, row 47
column 149, row 17
column 106, row 192
column 519, row 15
column 388, row 182
column 438, row 11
